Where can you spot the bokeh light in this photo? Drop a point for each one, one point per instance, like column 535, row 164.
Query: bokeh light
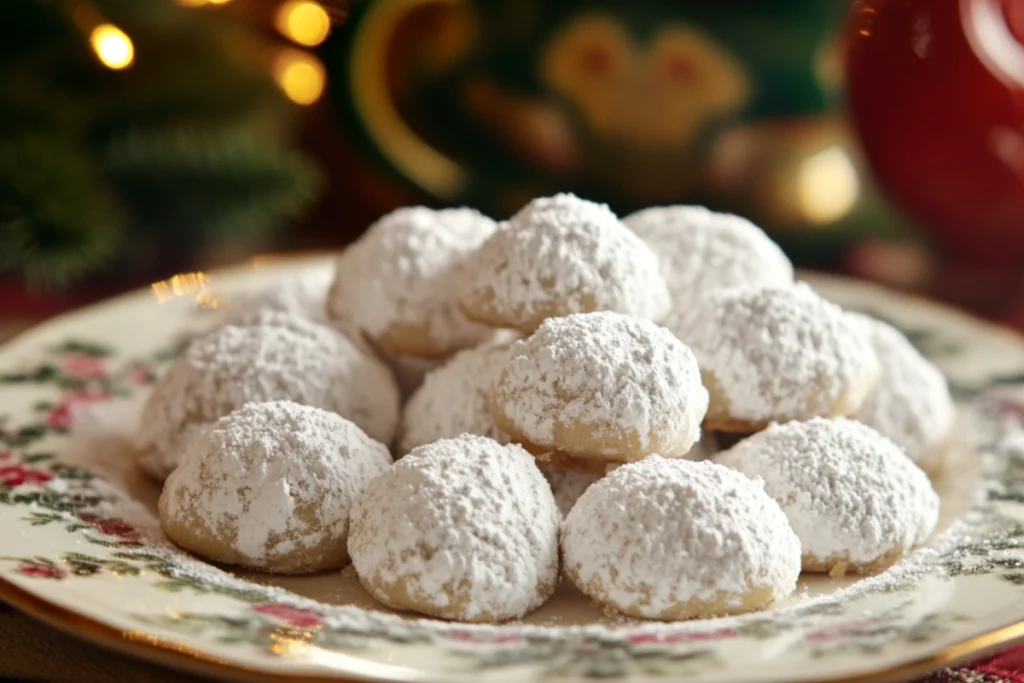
column 303, row 21
column 300, row 75
column 113, row 46
column 827, row 186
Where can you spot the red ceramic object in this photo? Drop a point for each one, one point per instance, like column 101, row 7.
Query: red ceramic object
column 936, row 91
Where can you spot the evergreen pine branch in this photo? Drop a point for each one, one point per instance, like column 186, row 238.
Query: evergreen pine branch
column 102, row 167
column 208, row 182
column 57, row 221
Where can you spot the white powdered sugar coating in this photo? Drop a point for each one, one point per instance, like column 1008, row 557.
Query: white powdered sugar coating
column 608, row 375
column 851, row 495
column 271, row 480
column 700, row 251
column 301, row 361
column 778, row 353
column 568, row 485
column 911, row 403
column 566, row 254
column 453, row 400
column 655, row 536
column 402, row 273
column 304, row 296
column 463, row 528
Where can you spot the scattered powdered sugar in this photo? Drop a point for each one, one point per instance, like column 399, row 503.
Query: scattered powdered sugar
column 849, row 492
column 271, row 486
column 453, row 399
column 911, row 403
column 463, row 528
column 777, row 353
column 401, row 274
column 656, row 535
column 562, row 255
column 304, row 296
column 303, row 362
column 700, row 251
column 609, row 374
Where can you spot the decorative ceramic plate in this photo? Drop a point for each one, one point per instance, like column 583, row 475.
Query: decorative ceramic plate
column 79, row 546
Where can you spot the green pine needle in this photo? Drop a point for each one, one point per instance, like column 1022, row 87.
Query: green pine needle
column 101, row 168
column 57, row 221
column 209, row 182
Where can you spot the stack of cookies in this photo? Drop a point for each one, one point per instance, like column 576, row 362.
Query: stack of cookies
column 554, row 388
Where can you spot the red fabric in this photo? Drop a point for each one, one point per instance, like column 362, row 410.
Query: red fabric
column 1006, row 666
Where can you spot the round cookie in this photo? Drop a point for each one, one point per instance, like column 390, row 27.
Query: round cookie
column 911, row 403
column 569, row 485
column 591, row 390
column 303, row 296
column 700, row 251
column 269, row 487
column 296, row 360
column 772, row 354
column 678, row 539
column 561, row 255
column 463, row 529
column 854, row 499
column 396, row 283
column 453, row 400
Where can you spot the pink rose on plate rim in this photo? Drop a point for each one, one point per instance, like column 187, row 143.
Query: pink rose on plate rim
column 656, row 638
column 293, row 616
column 83, row 365
column 110, row 527
column 13, row 476
column 836, row 632
column 62, row 416
column 42, row 571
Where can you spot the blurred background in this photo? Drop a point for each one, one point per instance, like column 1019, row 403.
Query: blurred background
column 142, row 138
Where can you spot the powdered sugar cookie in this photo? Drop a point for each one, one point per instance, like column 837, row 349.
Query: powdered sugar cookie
column 299, row 361
column 270, row 486
column 700, row 251
column 453, row 400
column 561, row 255
column 596, row 389
column 854, row 499
column 463, row 529
column 677, row 539
column 911, row 403
column 303, row 296
column 772, row 354
column 396, row 283
column 569, row 485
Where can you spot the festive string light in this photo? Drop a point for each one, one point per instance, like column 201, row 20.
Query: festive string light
column 113, row 46
column 303, row 21
column 300, row 75
column 827, row 186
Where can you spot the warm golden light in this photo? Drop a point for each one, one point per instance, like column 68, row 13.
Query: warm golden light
column 200, row 3
column 301, row 76
column 827, row 186
column 303, row 21
column 180, row 285
column 113, row 46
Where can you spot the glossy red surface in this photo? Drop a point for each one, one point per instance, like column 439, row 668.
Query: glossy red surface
column 936, row 90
